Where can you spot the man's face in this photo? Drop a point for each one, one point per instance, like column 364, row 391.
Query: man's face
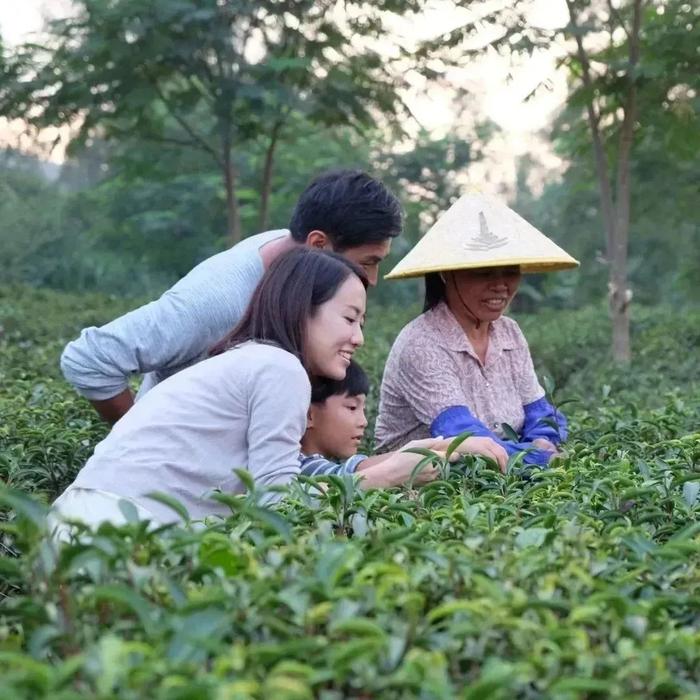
column 338, row 425
column 368, row 257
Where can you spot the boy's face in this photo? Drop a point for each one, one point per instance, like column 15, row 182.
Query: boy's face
column 335, row 427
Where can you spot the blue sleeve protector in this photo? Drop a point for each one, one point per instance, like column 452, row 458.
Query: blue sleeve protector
column 542, row 420
column 459, row 419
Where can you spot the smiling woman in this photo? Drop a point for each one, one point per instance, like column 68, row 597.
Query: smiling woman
column 244, row 407
column 462, row 366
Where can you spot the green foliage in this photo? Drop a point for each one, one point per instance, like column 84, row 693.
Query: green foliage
column 208, row 75
column 664, row 232
column 629, row 135
column 27, row 204
column 141, row 200
column 579, row 582
column 132, row 218
column 231, row 65
column 54, row 237
column 427, row 179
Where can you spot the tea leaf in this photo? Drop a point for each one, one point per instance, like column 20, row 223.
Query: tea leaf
column 691, row 489
column 509, row 433
column 171, row 502
column 531, row 537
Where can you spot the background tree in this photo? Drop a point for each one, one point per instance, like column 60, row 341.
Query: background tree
column 211, row 75
column 624, row 60
column 130, row 217
column 615, row 94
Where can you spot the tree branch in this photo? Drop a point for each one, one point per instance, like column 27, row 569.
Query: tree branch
column 614, row 12
column 174, row 141
column 196, row 138
column 157, row 138
column 267, row 170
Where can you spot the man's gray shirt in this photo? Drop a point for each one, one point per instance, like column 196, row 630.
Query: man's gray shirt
column 171, row 333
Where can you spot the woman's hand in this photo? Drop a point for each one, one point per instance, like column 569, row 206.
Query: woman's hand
column 544, row 444
column 486, row 447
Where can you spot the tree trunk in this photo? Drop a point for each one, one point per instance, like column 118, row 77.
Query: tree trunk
column 619, row 298
column 620, row 294
column 267, row 177
column 607, row 207
column 233, row 213
column 615, row 212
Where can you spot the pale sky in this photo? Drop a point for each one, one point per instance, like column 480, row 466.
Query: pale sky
column 497, row 88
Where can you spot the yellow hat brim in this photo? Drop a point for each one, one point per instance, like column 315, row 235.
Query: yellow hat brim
column 480, row 231
column 526, row 266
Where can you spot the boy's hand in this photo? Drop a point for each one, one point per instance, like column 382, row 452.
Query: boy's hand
column 427, row 474
column 484, row 446
column 426, row 444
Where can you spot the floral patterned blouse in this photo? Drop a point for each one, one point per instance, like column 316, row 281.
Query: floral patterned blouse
column 432, row 366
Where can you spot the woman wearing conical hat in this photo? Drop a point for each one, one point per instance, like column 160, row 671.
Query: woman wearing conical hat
column 462, row 365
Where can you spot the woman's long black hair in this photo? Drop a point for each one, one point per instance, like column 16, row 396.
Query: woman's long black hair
column 288, row 294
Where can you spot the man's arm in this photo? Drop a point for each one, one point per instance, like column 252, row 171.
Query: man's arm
column 111, row 410
column 159, row 335
column 167, row 334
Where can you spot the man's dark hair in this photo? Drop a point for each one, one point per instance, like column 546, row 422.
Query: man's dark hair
column 288, row 294
column 355, row 383
column 350, row 207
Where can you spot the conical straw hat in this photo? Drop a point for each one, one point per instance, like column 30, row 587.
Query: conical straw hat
column 480, row 231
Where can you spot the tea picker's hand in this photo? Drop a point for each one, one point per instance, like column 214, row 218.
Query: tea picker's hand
column 546, row 445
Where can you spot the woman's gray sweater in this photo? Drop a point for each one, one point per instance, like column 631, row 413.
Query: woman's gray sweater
column 245, row 408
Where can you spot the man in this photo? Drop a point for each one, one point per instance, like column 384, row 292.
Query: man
column 346, row 211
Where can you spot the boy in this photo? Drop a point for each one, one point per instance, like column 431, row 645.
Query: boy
column 336, row 423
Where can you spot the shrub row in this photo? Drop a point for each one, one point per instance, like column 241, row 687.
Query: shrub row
column 581, row 581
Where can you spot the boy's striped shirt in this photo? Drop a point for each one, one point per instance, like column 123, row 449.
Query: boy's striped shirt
column 317, row 465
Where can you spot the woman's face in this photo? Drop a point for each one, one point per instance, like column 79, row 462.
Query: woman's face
column 334, row 332
column 487, row 291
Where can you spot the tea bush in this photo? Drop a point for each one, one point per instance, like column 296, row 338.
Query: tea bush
column 582, row 581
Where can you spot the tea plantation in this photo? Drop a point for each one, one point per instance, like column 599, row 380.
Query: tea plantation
column 582, row 581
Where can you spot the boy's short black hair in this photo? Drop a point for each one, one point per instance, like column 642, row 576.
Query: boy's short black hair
column 350, row 207
column 355, row 383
